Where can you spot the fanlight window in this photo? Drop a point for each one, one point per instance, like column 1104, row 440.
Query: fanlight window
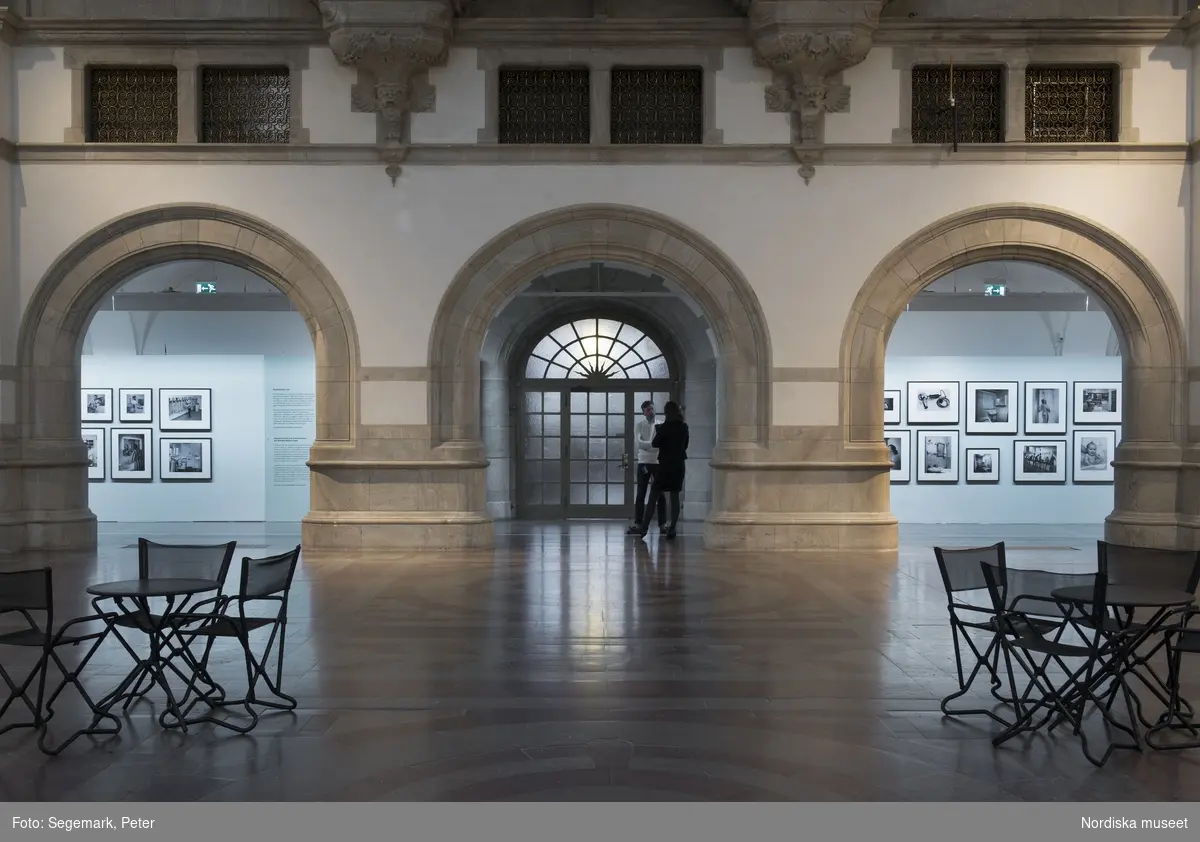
column 597, row 349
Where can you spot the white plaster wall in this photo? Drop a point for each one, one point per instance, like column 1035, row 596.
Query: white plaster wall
column 1160, row 94
column 175, row 333
column 980, row 334
column 237, row 491
column 741, row 110
column 1004, row 502
column 874, row 111
column 460, row 112
column 325, row 102
column 806, row 250
column 44, row 95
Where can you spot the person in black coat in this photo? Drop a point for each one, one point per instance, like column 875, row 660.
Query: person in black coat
column 671, row 441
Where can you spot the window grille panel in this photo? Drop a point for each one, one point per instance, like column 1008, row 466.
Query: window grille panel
column 602, row 349
column 657, row 105
column 545, row 105
column 1071, row 105
column 133, row 105
column 979, row 103
column 245, row 105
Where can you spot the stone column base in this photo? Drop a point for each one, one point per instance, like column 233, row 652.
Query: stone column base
column 1161, row 531
column 397, row 531
column 66, row 531
column 779, row 532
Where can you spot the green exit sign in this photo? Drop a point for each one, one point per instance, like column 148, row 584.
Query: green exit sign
column 993, row 289
column 206, row 288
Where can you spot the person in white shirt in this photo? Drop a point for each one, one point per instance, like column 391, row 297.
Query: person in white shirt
column 647, row 467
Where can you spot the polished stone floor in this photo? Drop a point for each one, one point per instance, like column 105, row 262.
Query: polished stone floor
column 574, row 663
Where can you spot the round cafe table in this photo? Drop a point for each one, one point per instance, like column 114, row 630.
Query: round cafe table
column 132, row 597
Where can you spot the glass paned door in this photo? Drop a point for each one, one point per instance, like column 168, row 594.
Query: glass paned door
column 598, row 452
column 541, row 483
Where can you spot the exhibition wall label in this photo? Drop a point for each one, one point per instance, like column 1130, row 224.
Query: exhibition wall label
column 290, row 412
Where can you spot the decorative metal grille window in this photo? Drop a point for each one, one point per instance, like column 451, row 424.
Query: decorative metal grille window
column 133, row 105
column 1071, row 104
column 658, row 105
column 545, row 105
column 245, row 105
column 597, row 349
column 978, row 94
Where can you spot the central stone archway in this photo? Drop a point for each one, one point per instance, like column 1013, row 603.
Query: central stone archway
column 1149, row 459
column 597, row 233
column 52, row 511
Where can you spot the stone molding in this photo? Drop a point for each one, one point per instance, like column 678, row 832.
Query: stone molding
column 807, row 44
column 1176, row 154
column 1155, row 429
column 600, row 61
column 187, row 61
column 392, row 46
column 1015, row 61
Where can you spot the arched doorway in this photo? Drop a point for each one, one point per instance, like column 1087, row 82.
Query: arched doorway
column 54, row 477
column 581, row 386
column 469, row 404
column 1148, row 460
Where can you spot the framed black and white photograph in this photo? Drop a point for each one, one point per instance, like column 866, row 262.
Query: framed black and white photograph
column 1039, row 461
column 899, row 444
column 937, row 456
column 94, row 440
column 130, row 453
column 933, row 402
column 983, row 464
column 96, row 406
column 1045, row 408
column 1097, row 403
column 184, row 459
column 135, row 406
column 891, row 407
column 185, row 410
column 1094, row 453
column 992, row 409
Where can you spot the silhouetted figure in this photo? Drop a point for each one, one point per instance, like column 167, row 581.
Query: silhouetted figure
column 671, row 441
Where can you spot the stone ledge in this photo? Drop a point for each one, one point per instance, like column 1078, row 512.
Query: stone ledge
column 484, row 154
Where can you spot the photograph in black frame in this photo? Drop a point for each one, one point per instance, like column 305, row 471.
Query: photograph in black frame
column 135, row 406
column 1040, row 461
column 992, row 408
column 982, row 464
column 1045, row 407
column 185, row 459
column 96, row 406
column 934, row 402
column 937, row 456
column 131, row 453
column 185, row 410
column 891, row 407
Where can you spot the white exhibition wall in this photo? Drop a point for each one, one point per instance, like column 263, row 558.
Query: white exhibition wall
column 263, row 425
column 1004, row 502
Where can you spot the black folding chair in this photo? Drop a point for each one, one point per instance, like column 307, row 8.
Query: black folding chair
column 263, row 580
column 174, row 561
column 1020, row 597
column 25, row 593
column 1177, row 570
column 1180, row 640
column 962, row 574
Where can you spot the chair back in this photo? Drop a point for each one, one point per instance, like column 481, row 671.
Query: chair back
column 1029, row 593
column 264, row 578
column 23, row 591
column 184, row 561
column 1177, row 570
column 961, row 569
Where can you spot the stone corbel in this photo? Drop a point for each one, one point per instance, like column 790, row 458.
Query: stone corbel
column 393, row 44
column 807, row 44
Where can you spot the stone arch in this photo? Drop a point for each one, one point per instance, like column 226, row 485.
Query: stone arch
column 600, row 232
column 1153, row 343
column 56, row 319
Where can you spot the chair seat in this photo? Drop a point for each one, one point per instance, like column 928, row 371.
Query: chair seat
column 227, row 626
column 1051, row 647
column 139, row 620
column 1021, row 625
column 24, row 637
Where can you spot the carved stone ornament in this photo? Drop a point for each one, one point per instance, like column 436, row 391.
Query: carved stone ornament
column 807, row 44
column 392, row 44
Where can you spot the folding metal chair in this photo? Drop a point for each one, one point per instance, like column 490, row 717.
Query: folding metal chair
column 1020, row 597
column 263, row 580
column 1177, row 570
column 174, row 561
column 1179, row 641
column 962, row 574
column 27, row 592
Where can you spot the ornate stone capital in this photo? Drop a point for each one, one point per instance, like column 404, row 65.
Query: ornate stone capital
column 807, row 44
column 392, row 43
